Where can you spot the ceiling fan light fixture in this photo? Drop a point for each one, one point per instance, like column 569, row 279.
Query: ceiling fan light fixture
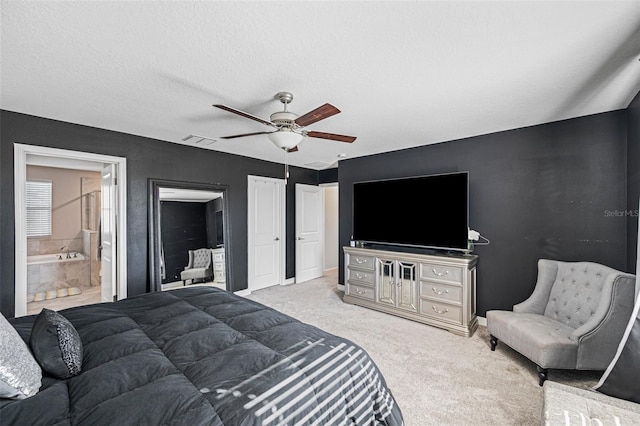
column 285, row 138
column 290, row 127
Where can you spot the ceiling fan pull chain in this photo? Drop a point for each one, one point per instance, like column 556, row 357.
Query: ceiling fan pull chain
column 286, row 165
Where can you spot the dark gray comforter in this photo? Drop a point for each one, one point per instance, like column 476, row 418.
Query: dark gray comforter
column 201, row 355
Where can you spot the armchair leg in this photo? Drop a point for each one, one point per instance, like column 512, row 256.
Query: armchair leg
column 493, row 341
column 184, row 282
column 542, row 374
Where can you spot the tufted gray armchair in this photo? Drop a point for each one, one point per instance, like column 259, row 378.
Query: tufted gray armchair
column 200, row 266
column 574, row 319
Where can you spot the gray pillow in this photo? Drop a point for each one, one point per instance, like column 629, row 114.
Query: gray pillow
column 56, row 344
column 20, row 374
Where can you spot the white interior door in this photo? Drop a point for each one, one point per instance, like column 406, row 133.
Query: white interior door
column 265, row 232
column 108, row 245
column 309, row 232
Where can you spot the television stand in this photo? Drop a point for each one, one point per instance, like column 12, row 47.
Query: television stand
column 439, row 290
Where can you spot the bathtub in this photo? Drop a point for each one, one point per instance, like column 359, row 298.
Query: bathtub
column 54, row 258
column 48, row 274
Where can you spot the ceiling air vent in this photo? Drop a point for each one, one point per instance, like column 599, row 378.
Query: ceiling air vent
column 200, row 140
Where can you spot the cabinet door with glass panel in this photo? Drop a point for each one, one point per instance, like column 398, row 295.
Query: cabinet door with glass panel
column 397, row 284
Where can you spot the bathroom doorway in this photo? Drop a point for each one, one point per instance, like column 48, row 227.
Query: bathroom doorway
column 64, row 263
column 63, row 259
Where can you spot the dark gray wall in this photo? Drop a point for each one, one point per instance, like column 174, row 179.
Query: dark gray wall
column 633, row 182
column 183, row 227
column 146, row 158
column 328, row 175
column 535, row 192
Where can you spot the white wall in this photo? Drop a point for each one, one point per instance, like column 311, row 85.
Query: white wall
column 331, row 227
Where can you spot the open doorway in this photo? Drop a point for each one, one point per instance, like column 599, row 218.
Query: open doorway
column 187, row 217
column 63, row 266
column 331, row 227
column 316, row 231
column 191, row 238
column 68, row 208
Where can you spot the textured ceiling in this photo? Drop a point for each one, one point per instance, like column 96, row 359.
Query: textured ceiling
column 402, row 73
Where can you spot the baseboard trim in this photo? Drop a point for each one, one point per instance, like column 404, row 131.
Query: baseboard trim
column 482, row 321
column 341, row 287
column 289, row 281
column 242, row 293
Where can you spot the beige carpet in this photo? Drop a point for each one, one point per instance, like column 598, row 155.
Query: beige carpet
column 437, row 378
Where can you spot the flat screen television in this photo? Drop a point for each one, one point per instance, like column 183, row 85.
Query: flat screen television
column 424, row 211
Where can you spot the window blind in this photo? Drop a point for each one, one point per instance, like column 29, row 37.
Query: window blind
column 38, row 199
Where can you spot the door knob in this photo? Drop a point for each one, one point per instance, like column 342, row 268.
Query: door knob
column 276, row 239
column 299, row 238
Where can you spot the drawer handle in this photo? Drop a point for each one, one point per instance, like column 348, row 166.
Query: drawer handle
column 360, row 261
column 360, row 291
column 360, row 276
column 438, row 311
column 440, row 274
column 439, row 292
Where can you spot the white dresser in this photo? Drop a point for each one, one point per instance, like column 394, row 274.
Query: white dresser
column 435, row 290
column 219, row 266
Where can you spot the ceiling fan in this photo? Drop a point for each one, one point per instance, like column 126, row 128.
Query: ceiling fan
column 290, row 129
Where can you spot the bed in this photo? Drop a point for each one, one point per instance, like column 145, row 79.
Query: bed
column 201, row 355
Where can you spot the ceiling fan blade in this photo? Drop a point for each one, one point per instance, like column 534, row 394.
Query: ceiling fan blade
column 244, row 114
column 331, row 136
column 244, row 134
column 320, row 113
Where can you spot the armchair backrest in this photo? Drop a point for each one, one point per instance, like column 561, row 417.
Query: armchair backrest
column 577, row 290
column 200, row 258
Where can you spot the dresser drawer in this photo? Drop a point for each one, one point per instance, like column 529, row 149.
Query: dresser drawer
column 360, row 291
column 442, row 292
column 363, row 262
column 218, row 266
column 360, row 275
column 441, row 311
column 441, row 273
column 218, row 257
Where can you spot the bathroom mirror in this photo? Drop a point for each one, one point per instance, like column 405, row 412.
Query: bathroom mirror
column 212, row 201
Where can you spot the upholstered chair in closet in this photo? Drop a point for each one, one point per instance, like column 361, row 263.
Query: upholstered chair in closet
column 200, row 266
